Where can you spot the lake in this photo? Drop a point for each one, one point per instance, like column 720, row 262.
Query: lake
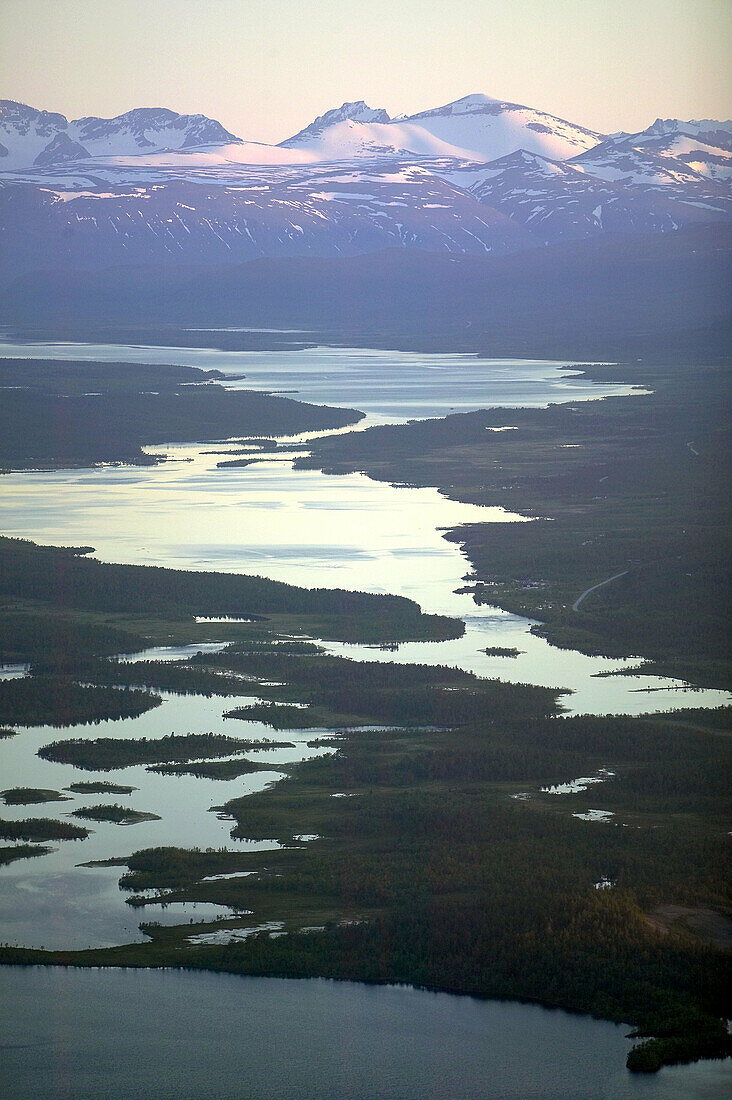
column 316, row 530
column 96, row 1034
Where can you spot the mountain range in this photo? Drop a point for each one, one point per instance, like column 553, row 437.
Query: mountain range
column 477, row 176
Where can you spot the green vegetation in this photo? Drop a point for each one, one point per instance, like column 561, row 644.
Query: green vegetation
column 150, row 604
column 171, row 868
column 106, row 753
column 233, row 463
column 60, row 701
column 213, row 769
column 635, row 485
column 99, row 787
column 366, row 692
column 21, row 851
column 29, row 796
column 5, row 732
column 440, row 860
column 77, row 414
column 455, row 885
column 501, row 651
column 32, row 634
column 120, row 815
column 184, row 677
column 41, row 828
column 283, row 716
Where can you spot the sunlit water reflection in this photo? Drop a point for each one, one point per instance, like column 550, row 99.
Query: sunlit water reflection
column 316, row 530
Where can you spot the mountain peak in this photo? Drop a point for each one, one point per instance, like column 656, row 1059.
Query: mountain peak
column 355, row 111
column 476, row 103
column 478, row 99
column 60, row 150
column 150, row 127
column 21, row 117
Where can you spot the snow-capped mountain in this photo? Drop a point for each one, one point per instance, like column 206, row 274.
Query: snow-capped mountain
column 350, row 139
column 702, row 147
column 473, row 128
column 712, row 161
column 60, row 150
column 357, row 111
column 146, row 129
column 708, row 130
column 491, row 128
column 558, row 201
column 29, row 137
column 665, row 168
column 333, row 213
column 477, row 175
column 25, row 133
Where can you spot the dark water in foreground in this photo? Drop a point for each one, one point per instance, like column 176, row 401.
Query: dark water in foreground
column 136, row 1035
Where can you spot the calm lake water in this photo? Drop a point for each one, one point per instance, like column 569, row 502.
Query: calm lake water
column 311, row 1039
column 171, row 1035
column 50, row 901
column 389, row 386
column 316, row 530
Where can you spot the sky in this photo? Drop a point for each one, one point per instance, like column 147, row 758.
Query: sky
column 266, row 68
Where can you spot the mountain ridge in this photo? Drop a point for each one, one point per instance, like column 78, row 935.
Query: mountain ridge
column 479, row 175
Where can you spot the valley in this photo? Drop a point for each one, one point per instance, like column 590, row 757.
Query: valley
column 364, row 554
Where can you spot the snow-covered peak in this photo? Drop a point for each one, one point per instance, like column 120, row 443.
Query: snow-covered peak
column 663, row 126
column 624, row 161
column 25, row 132
column 349, row 140
column 520, row 167
column 41, row 137
column 21, row 117
column 707, row 131
column 357, row 111
column 491, row 128
column 531, row 162
column 477, row 103
column 148, row 129
column 477, row 128
column 669, row 151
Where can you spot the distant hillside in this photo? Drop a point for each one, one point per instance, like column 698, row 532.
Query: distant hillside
column 664, row 290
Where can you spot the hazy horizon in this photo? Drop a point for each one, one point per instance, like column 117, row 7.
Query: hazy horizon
column 266, row 68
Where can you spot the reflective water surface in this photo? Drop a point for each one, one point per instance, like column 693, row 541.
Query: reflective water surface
column 316, row 530
column 300, row 526
column 389, row 386
column 50, row 901
column 168, row 1034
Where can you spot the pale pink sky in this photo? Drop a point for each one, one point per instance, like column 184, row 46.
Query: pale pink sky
column 265, row 68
